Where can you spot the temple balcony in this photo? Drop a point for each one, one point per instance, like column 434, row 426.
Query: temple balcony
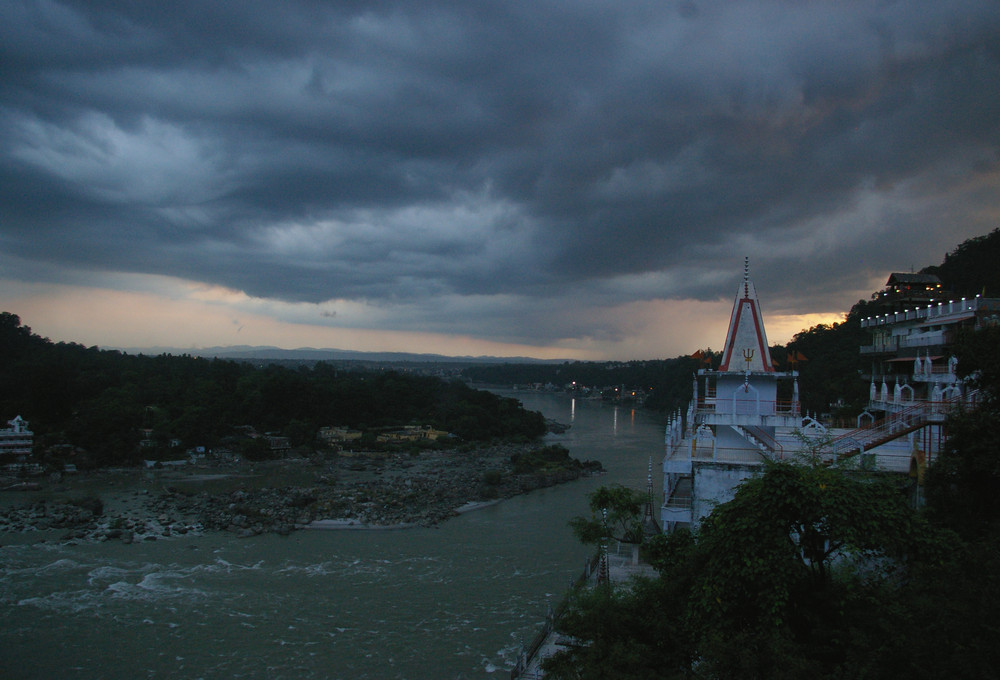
column 942, row 376
column 712, row 373
column 891, row 407
column 682, row 462
column 750, row 420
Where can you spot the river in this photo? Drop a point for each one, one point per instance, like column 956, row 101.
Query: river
column 454, row 601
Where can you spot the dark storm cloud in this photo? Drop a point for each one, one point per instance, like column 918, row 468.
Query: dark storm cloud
column 507, row 157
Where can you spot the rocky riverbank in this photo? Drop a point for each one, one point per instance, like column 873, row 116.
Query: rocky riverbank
column 360, row 490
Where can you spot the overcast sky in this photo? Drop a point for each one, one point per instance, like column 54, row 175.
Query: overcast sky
column 576, row 179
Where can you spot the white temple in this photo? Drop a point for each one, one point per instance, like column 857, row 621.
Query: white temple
column 736, row 417
column 746, row 412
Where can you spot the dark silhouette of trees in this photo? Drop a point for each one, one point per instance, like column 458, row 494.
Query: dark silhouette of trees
column 106, row 402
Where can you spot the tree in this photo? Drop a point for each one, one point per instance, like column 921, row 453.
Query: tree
column 782, row 564
column 963, row 484
column 637, row 632
column 780, row 582
column 624, row 516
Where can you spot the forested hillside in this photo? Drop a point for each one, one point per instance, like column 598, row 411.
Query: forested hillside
column 973, row 268
column 102, row 400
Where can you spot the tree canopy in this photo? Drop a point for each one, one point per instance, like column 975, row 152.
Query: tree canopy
column 616, row 514
column 106, row 401
column 776, row 583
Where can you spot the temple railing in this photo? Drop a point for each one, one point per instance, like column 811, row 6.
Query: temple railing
column 748, row 406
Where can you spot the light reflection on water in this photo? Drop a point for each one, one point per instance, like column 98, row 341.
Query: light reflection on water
column 454, row 601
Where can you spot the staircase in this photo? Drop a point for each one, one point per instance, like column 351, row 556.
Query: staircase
column 764, row 442
column 883, row 431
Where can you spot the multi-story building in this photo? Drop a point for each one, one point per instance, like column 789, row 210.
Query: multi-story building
column 913, row 381
column 16, row 443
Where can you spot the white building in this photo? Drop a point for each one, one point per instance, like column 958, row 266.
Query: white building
column 16, row 442
column 913, row 382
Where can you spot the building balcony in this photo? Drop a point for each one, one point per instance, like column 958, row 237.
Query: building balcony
column 939, row 375
column 748, row 406
column 880, row 348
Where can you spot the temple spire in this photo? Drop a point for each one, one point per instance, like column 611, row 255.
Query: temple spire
column 746, row 347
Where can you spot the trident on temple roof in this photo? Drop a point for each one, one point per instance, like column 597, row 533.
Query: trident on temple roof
column 747, row 357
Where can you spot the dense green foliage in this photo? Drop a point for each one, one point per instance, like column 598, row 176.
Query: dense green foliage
column 965, row 480
column 548, row 460
column 102, row 400
column 807, row 572
column 971, row 269
column 830, row 378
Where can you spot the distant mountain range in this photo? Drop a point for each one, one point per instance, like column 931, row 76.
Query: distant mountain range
column 246, row 352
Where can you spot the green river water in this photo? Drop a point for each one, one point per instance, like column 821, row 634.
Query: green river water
column 454, row 601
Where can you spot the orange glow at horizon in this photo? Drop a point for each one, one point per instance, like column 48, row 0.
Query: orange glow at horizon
column 184, row 315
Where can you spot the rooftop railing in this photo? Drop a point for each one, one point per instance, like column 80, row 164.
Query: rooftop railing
column 941, row 310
